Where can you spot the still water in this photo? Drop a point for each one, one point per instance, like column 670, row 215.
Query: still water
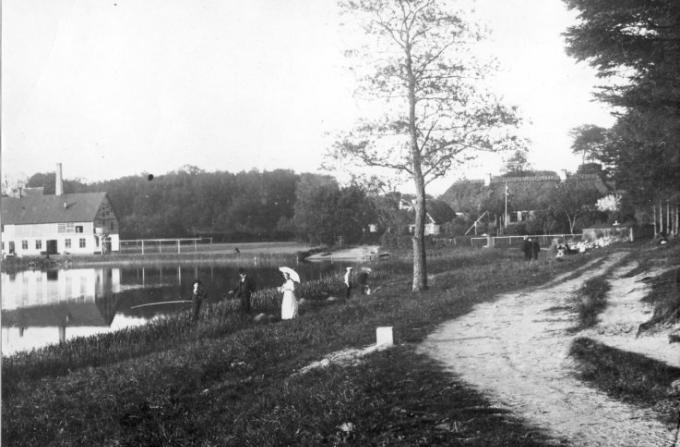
column 45, row 307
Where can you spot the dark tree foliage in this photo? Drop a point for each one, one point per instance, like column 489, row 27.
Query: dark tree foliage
column 324, row 212
column 636, row 42
column 190, row 202
column 589, row 141
column 47, row 181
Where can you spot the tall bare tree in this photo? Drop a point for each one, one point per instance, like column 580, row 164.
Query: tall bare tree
column 420, row 69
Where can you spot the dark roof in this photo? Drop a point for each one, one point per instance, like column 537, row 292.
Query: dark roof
column 465, row 195
column 37, row 209
column 549, row 178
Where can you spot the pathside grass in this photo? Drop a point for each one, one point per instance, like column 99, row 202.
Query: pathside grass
column 591, row 300
column 628, row 377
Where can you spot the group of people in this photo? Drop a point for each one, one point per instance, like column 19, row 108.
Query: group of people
column 531, row 248
column 243, row 291
column 289, row 304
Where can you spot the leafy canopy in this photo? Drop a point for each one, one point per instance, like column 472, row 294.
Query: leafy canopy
column 417, row 69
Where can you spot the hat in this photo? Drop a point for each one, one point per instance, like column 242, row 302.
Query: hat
column 349, row 268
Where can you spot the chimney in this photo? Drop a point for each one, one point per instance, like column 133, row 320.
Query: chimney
column 59, row 185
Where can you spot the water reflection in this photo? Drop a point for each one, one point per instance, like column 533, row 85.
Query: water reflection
column 46, row 307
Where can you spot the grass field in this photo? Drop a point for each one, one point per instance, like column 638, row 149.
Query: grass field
column 229, row 382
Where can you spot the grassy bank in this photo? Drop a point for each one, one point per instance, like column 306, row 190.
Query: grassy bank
column 665, row 287
column 226, row 381
column 627, row 376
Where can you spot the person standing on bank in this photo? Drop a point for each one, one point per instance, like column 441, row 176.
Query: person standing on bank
column 527, row 248
column 348, row 283
column 535, row 248
column 244, row 290
column 289, row 304
column 362, row 281
column 197, row 297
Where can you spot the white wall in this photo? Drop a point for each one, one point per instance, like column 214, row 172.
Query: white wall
column 45, row 232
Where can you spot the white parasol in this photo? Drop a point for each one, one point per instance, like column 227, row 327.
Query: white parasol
column 293, row 274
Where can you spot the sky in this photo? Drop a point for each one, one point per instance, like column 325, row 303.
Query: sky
column 111, row 88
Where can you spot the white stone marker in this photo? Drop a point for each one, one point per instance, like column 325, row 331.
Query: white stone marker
column 384, row 336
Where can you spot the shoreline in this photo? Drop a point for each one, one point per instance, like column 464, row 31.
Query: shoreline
column 218, row 253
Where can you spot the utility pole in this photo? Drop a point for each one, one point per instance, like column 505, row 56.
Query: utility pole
column 505, row 215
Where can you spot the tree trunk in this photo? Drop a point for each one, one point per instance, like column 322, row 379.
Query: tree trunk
column 419, row 256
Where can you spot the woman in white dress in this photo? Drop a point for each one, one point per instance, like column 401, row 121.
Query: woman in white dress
column 289, row 305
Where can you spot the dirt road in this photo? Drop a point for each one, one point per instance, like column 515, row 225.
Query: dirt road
column 515, row 350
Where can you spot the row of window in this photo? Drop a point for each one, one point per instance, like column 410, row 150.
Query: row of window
column 82, row 243
column 69, row 227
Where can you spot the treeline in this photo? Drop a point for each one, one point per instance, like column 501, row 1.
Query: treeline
column 269, row 205
column 637, row 45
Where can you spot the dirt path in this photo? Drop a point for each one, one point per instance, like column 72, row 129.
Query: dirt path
column 515, row 350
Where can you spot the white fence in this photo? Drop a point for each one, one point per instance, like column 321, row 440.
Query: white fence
column 170, row 245
column 516, row 241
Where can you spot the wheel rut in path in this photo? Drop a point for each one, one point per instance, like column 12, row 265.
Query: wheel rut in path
column 515, row 350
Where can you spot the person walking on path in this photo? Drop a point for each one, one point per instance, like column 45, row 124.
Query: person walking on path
column 348, row 283
column 289, row 304
column 244, row 290
column 197, row 297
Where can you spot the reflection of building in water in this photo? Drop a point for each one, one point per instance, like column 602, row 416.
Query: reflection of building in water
column 59, row 298
column 35, row 288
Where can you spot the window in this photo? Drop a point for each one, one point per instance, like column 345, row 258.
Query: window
column 111, row 226
column 3, row 245
column 79, row 229
column 67, row 243
column 24, row 245
column 81, row 242
column 38, row 244
column 65, row 228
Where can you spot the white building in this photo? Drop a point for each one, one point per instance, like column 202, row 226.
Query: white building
column 80, row 223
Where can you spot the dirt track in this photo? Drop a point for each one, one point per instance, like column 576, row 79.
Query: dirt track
column 515, row 351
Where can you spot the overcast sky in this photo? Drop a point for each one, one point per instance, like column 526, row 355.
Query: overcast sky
column 118, row 87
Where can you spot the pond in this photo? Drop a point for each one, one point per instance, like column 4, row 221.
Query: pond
column 46, row 307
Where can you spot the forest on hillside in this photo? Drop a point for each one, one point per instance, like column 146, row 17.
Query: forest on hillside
column 252, row 205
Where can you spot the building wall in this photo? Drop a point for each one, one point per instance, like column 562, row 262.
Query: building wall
column 31, row 239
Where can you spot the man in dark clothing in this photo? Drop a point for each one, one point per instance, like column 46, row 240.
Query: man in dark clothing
column 362, row 280
column 244, row 289
column 197, row 298
column 535, row 248
column 527, row 248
